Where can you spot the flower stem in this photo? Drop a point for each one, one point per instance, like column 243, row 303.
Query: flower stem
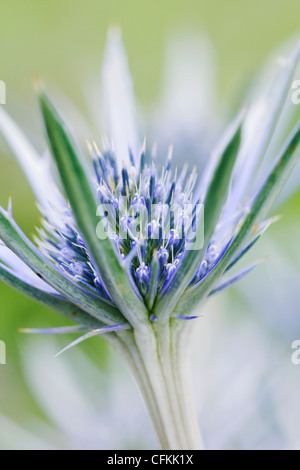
column 181, row 350
column 159, row 369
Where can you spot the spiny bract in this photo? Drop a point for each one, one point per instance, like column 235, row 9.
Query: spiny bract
column 137, row 195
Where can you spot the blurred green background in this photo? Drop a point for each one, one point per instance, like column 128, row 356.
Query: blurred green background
column 63, row 41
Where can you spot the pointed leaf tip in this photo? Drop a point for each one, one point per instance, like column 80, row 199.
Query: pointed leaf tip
column 82, row 198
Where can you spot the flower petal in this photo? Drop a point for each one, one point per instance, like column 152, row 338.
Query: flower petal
column 233, row 280
column 22, row 271
column 260, row 230
column 118, row 98
column 82, row 199
column 261, row 122
column 37, row 169
column 264, row 200
column 53, row 301
column 213, row 202
column 63, row 330
column 153, row 282
column 15, row 239
column 93, row 333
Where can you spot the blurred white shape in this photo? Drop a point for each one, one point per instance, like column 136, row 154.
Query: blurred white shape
column 21, row 270
column 88, row 408
column 118, row 100
column 250, row 399
column 189, row 82
column 268, row 101
column 14, row 437
column 37, row 169
column 186, row 114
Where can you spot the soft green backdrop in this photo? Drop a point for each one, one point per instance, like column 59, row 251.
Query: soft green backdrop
column 63, row 41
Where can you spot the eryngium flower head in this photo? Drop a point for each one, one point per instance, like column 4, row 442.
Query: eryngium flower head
column 116, row 252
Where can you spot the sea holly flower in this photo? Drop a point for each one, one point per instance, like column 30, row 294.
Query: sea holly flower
column 131, row 247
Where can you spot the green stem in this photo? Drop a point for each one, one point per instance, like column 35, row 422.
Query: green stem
column 174, row 346
column 181, row 350
column 125, row 345
column 160, row 372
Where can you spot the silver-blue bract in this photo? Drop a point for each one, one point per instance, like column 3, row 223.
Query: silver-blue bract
column 114, row 253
